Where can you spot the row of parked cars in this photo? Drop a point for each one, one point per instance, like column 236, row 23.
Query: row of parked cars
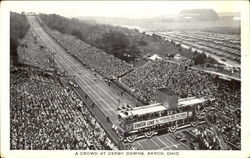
column 227, row 46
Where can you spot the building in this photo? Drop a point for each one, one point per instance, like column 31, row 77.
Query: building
column 178, row 56
column 155, row 57
column 197, row 15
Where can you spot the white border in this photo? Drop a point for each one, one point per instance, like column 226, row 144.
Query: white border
column 4, row 91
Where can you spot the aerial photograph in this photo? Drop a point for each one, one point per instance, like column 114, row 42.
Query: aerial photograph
column 142, row 76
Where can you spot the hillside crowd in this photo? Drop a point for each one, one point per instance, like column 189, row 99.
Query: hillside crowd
column 32, row 51
column 46, row 116
column 96, row 59
column 144, row 81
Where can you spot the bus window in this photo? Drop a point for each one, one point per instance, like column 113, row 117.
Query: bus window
column 188, row 108
column 157, row 114
column 152, row 115
column 163, row 113
column 130, row 120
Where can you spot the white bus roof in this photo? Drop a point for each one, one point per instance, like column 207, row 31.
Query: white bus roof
column 190, row 101
column 142, row 110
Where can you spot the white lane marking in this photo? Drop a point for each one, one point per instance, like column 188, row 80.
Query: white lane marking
column 89, row 76
column 146, row 144
column 103, row 86
column 165, row 138
column 99, row 102
column 157, row 144
column 86, row 84
column 184, row 145
column 162, row 142
column 139, row 144
column 169, row 146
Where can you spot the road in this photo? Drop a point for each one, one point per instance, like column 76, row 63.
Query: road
column 104, row 96
column 162, row 142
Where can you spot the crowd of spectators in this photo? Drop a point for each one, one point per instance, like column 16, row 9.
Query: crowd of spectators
column 96, row 59
column 45, row 115
column 31, row 51
column 144, row 81
column 206, row 138
column 226, row 117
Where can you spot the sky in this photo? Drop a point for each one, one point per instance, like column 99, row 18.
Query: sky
column 128, row 9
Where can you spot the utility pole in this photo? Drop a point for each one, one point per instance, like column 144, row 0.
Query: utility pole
column 53, row 59
column 133, row 58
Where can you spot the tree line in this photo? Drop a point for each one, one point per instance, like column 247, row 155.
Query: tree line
column 104, row 37
column 19, row 26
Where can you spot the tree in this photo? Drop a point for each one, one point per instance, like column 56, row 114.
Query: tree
column 107, row 38
column 18, row 28
column 142, row 42
column 200, row 59
column 114, row 43
column 78, row 34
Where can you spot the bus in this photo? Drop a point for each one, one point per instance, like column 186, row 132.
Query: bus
column 146, row 121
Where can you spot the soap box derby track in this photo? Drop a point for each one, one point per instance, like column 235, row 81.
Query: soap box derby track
column 106, row 98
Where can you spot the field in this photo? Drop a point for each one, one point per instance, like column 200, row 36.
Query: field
column 217, row 45
column 220, row 26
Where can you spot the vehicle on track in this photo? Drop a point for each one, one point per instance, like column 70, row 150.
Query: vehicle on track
column 146, row 121
column 73, row 83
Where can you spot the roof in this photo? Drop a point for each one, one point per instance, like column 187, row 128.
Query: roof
column 190, row 101
column 177, row 55
column 198, row 14
column 201, row 11
column 142, row 110
column 167, row 91
column 155, row 56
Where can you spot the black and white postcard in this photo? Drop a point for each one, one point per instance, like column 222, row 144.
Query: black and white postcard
column 125, row 78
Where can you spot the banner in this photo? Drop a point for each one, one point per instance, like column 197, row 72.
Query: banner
column 160, row 120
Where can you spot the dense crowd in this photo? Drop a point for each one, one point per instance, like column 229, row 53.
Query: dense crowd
column 45, row 115
column 144, row 81
column 31, row 51
column 96, row 59
column 206, row 138
column 227, row 115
